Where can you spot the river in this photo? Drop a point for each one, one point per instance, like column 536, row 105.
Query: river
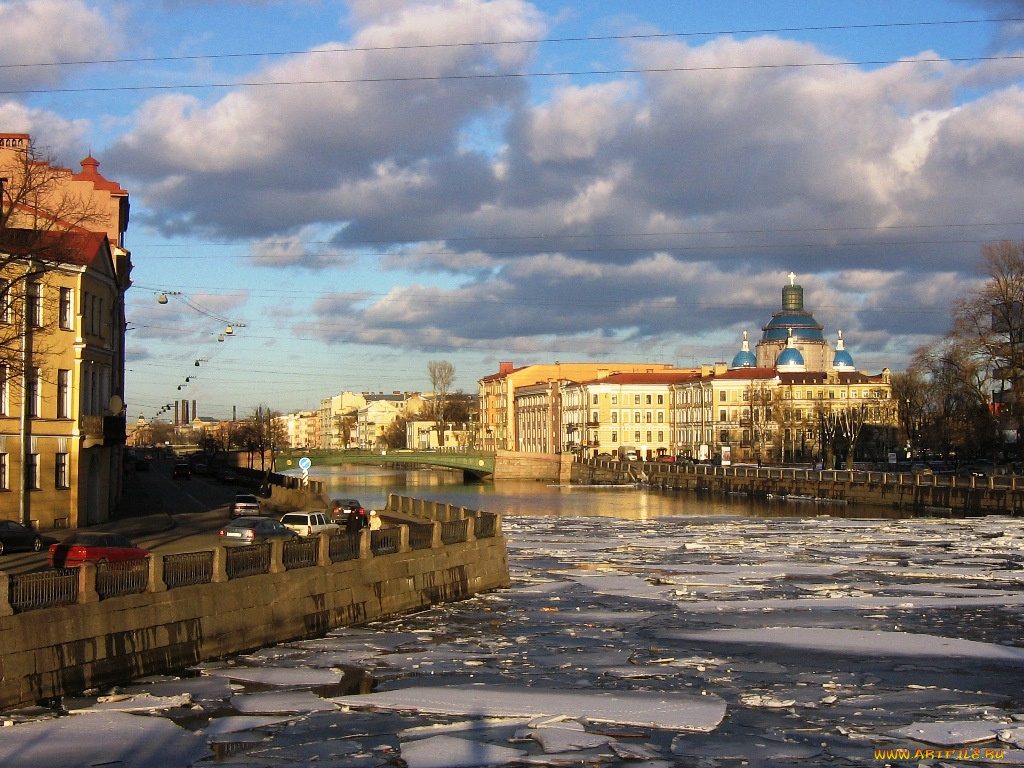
column 371, row 486
column 696, row 631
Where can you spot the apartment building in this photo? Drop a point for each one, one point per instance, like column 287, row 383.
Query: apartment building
column 63, row 275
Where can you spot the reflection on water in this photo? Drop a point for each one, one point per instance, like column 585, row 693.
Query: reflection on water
column 371, row 485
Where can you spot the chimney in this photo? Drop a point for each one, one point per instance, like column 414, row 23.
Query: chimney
column 505, row 368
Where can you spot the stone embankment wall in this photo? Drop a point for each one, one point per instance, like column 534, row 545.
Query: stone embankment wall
column 64, row 650
column 910, row 493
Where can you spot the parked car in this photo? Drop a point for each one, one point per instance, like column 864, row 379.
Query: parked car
column 227, row 476
column 254, row 530
column 342, row 508
column 666, row 459
column 181, row 471
column 245, row 504
column 14, row 536
column 309, row 523
column 94, row 547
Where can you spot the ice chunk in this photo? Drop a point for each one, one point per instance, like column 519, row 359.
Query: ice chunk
column 655, row 710
column 293, row 677
column 281, row 702
column 950, row 734
column 567, row 736
column 450, row 752
column 243, row 723
column 861, row 642
column 112, row 738
column 142, row 702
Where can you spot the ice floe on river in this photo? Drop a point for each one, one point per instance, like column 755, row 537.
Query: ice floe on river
column 711, row 641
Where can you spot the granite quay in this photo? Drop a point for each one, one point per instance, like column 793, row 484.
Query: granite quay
column 68, row 630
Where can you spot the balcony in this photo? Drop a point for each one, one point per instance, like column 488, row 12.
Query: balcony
column 103, row 430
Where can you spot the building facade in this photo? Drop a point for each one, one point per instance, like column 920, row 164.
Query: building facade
column 64, row 271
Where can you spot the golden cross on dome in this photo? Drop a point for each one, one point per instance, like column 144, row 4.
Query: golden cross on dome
column 792, row 278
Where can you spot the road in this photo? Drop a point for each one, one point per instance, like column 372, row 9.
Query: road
column 158, row 513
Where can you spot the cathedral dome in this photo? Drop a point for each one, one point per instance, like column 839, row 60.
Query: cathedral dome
column 744, row 358
column 790, row 360
column 843, row 361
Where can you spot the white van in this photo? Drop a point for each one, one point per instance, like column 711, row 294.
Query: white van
column 309, row 523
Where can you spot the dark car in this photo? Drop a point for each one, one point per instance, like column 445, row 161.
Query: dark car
column 342, row 508
column 227, row 476
column 245, row 504
column 181, row 471
column 94, row 547
column 254, row 530
column 15, row 536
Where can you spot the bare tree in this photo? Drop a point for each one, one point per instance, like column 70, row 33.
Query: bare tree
column 851, row 418
column 762, row 421
column 44, row 224
column 442, row 375
column 988, row 330
column 828, row 433
column 264, row 433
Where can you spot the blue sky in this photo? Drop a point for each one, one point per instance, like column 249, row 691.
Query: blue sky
column 362, row 187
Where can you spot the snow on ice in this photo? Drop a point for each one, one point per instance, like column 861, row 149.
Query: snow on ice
column 711, row 641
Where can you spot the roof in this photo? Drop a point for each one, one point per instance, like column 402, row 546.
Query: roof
column 79, row 247
column 667, row 377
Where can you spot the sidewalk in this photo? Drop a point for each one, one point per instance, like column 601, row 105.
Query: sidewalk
column 140, row 512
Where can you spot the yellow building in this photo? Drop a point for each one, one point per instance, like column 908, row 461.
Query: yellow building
column 499, row 427
column 63, row 274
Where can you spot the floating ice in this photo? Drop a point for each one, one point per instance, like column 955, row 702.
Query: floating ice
column 142, row 702
column 856, row 641
column 950, row 734
column 671, row 711
column 221, row 725
column 280, row 702
column 292, row 677
column 113, row 738
column 450, row 752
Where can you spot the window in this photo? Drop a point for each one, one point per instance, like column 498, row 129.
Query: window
column 636, row 417
column 661, row 417
column 4, row 484
column 649, row 436
column 63, row 393
column 648, row 400
column 32, row 471
column 615, row 437
column 723, row 436
column 661, row 399
column 615, row 417
column 615, row 399
column 4, row 389
column 595, row 400
column 721, row 396
column 636, row 399
column 5, row 301
column 636, row 436
column 65, row 317
column 34, row 304
column 721, row 415
column 649, row 417
column 60, row 471
column 32, row 393
column 661, row 437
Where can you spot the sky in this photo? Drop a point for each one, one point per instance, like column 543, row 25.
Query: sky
column 359, row 188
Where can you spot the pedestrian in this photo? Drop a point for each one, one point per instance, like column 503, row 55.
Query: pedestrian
column 374, row 520
column 355, row 523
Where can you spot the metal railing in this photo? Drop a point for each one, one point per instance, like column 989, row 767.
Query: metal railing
column 485, row 525
column 343, row 546
column 454, row 531
column 186, row 568
column 62, row 586
column 44, row 589
column 300, row 553
column 246, row 561
column 386, row 541
column 421, row 536
column 124, row 577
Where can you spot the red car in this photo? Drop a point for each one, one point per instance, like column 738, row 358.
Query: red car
column 94, row 547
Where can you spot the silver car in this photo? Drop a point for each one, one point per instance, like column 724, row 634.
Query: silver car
column 245, row 504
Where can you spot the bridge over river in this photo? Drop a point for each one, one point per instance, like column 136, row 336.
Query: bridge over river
column 476, row 465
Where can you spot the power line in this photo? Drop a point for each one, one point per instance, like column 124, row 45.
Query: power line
column 512, row 75
column 518, row 41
